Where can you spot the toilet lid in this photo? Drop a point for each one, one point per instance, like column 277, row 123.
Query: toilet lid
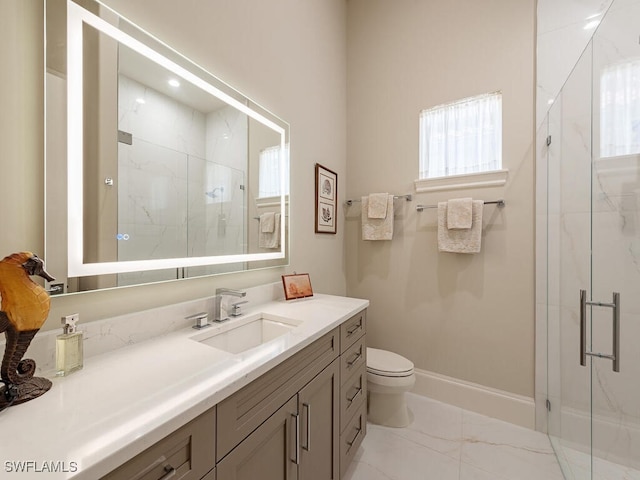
column 388, row 364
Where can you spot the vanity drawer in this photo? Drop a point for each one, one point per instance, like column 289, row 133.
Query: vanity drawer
column 189, row 452
column 244, row 411
column 352, row 394
column 353, row 358
column 352, row 330
column 352, row 437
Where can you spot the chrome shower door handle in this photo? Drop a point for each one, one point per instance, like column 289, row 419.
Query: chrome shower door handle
column 616, row 332
column 615, row 305
column 583, row 327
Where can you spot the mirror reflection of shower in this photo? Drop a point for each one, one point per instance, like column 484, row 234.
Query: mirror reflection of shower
column 218, row 192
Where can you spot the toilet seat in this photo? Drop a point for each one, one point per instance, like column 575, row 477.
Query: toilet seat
column 388, row 364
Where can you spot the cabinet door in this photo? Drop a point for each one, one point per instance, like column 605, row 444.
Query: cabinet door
column 319, row 406
column 270, row 453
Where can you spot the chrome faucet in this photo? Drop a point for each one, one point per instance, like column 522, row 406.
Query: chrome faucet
column 219, row 293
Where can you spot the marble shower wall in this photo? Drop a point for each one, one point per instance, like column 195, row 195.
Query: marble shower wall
column 564, row 28
column 589, row 238
column 217, row 225
column 180, row 183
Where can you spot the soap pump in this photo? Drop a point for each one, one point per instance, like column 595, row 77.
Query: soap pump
column 69, row 353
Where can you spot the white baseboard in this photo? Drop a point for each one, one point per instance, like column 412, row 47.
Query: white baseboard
column 510, row 407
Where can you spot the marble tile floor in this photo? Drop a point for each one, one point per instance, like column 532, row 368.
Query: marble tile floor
column 577, row 465
column 448, row 443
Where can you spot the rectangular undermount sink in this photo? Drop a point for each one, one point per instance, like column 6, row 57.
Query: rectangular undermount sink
column 244, row 334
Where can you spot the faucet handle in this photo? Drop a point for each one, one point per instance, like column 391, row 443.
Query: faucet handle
column 235, row 308
column 200, row 318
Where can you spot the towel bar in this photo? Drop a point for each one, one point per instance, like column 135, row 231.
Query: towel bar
column 500, row 203
column 408, row 197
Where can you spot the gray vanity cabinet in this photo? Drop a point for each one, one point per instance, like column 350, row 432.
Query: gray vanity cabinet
column 303, row 419
column 186, row 454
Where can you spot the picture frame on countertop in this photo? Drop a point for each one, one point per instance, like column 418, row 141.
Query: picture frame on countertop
column 297, row 285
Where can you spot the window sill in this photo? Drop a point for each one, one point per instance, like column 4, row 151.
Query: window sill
column 496, row 178
column 265, row 202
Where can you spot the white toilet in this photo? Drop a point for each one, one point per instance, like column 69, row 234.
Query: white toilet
column 389, row 376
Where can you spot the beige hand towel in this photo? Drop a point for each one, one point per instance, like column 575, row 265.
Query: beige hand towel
column 377, row 228
column 460, row 241
column 378, row 205
column 459, row 213
column 268, row 222
column 271, row 240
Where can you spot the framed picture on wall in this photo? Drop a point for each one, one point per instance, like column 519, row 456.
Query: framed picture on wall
column 297, row 285
column 326, row 200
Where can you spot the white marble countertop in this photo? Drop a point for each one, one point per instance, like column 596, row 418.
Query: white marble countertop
column 125, row 400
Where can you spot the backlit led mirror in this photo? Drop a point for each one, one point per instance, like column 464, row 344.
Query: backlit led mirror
column 155, row 169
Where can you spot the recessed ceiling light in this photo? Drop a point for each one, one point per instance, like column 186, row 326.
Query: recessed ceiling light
column 140, row 101
column 174, row 83
column 550, row 101
column 591, row 24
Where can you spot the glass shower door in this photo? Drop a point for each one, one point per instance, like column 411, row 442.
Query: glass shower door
column 593, row 245
column 568, row 149
column 615, row 252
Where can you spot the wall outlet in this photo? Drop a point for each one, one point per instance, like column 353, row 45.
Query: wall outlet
column 56, row 288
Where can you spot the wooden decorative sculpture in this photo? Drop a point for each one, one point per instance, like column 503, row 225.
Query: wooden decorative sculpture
column 24, row 308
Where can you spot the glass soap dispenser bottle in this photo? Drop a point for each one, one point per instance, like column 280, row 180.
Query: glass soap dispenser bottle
column 69, row 354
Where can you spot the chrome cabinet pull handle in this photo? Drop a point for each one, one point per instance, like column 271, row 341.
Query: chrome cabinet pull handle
column 615, row 305
column 355, row 359
column 296, row 420
column 355, row 328
column 355, row 437
column 350, row 400
column 350, row 443
column 308, row 424
column 170, row 472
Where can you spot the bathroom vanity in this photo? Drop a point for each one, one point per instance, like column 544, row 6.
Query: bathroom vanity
column 179, row 406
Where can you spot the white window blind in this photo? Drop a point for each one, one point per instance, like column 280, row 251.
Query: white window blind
column 620, row 109
column 269, row 168
column 462, row 137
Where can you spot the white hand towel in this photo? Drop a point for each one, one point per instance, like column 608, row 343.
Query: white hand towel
column 378, row 205
column 459, row 213
column 268, row 222
column 377, row 228
column 460, row 241
column 271, row 240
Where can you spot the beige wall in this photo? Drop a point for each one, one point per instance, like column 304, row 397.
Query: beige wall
column 468, row 317
column 288, row 55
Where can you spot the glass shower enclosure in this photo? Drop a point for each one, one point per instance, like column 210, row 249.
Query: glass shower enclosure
column 589, row 157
